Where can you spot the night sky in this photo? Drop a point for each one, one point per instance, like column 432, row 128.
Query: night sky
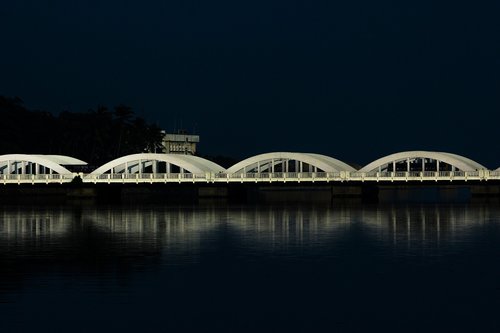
column 355, row 80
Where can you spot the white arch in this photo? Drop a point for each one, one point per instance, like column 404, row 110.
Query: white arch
column 189, row 163
column 7, row 160
column 325, row 163
column 204, row 164
column 468, row 161
column 460, row 162
column 341, row 166
column 63, row 160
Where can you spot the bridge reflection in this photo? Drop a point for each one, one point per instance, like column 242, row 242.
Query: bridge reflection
column 178, row 230
column 162, row 264
column 426, row 226
column 19, row 225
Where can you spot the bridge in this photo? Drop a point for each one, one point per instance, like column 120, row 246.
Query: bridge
column 276, row 167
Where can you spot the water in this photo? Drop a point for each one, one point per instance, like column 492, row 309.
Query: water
column 339, row 268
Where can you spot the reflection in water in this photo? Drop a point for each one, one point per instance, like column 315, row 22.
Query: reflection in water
column 176, row 231
column 21, row 224
column 346, row 267
column 424, row 226
column 182, row 229
column 283, row 228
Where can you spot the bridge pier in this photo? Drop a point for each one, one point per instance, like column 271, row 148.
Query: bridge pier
column 248, row 192
column 424, row 192
column 486, row 189
column 323, row 192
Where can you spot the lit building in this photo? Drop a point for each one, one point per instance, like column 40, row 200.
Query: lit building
column 181, row 143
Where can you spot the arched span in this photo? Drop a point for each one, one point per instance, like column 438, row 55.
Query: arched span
column 269, row 161
column 130, row 163
column 32, row 164
column 458, row 162
column 63, row 160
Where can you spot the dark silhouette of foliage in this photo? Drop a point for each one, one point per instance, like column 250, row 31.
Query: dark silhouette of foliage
column 96, row 136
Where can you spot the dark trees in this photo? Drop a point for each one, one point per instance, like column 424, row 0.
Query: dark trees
column 96, row 136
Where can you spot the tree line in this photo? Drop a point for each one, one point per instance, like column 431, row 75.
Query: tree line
column 96, row 136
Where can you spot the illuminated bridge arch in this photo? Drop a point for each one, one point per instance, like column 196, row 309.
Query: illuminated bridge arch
column 289, row 162
column 36, row 164
column 422, row 161
column 159, row 163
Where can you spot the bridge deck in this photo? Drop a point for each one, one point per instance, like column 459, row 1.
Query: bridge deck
column 279, row 177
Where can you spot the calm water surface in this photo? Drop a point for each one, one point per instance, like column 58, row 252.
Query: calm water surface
column 339, row 268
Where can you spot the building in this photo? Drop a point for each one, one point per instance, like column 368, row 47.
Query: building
column 180, row 143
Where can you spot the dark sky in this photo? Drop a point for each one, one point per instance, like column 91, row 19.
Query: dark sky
column 355, row 80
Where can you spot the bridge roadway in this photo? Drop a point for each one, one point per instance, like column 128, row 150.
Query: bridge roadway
column 276, row 177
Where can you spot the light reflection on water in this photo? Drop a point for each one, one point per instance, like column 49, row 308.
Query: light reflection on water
column 264, row 228
column 261, row 260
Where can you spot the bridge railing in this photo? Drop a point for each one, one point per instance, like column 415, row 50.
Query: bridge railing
column 421, row 175
column 276, row 175
column 143, row 176
column 293, row 176
column 256, row 177
column 36, row 178
column 495, row 174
